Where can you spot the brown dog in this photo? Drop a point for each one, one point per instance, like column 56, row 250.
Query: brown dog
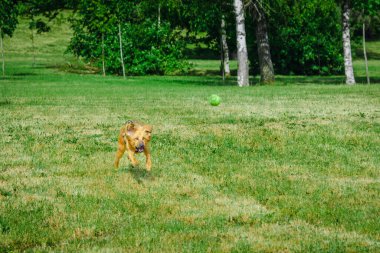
column 134, row 138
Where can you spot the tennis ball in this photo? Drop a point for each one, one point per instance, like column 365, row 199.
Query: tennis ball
column 214, row 100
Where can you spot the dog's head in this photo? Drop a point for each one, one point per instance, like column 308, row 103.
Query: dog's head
column 138, row 135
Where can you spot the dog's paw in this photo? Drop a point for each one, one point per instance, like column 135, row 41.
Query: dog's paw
column 135, row 164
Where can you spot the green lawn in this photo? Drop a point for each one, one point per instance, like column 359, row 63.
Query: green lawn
column 293, row 167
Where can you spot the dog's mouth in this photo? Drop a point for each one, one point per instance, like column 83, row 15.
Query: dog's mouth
column 140, row 149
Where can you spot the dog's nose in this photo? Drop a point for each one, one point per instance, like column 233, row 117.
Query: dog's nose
column 140, row 147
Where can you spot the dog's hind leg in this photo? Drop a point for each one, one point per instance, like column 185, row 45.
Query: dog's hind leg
column 148, row 159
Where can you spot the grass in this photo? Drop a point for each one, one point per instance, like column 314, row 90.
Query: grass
column 292, row 167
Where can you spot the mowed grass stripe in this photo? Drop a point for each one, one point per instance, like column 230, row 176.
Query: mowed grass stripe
column 213, row 170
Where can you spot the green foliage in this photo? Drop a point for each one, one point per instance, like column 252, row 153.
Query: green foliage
column 305, row 38
column 8, row 17
column 367, row 12
column 34, row 10
column 148, row 48
column 204, row 17
column 39, row 25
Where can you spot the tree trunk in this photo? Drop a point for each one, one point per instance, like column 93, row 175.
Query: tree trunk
column 121, row 52
column 159, row 15
column 365, row 56
column 263, row 49
column 2, row 51
column 242, row 54
column 104, row 67
column 33, row 49
column 225, row 53
column 349, row 71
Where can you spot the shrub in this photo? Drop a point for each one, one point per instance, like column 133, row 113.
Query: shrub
column 148, row 48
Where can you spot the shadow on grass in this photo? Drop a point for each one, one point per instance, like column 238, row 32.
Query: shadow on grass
column 328, row 80
column 208, row 72
column 5, row 102
column 372, row 55
column 22, row 74
column 208, row 81
column 215, row 80
column 139, row 174
column 202, row 53
column 363, row 79
column 310, row 79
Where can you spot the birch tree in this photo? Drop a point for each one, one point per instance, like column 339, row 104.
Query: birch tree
column 242, row 53
column 121, row 51
column 224, row 47
column 348, row 68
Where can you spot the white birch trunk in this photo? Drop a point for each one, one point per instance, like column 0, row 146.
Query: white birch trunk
column 2, row 51
column 348, row 68
column 365, row 56
column 242, row 53
column 225, row 53
column 121, row 51
column 104, row 67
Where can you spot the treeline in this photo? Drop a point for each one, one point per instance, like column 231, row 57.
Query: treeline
column 136, row 37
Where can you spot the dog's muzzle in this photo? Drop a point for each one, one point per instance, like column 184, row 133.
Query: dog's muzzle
column 140, row 148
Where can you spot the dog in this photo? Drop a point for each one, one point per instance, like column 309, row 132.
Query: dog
column 134, row 138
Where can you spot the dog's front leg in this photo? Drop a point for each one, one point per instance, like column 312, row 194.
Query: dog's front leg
column 148, row 159
column 119, row 154
column 131, row 156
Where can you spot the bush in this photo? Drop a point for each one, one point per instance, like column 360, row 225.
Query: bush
column 148, row 48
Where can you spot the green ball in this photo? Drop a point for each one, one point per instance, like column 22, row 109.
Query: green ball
column 214, row 100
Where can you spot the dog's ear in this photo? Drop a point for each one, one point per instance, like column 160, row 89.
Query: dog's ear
column 148, row 128
column 130, row 127
column 148, row 131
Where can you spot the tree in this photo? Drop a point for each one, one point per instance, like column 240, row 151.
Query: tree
column 262, row 41
column 365, row 14
column 8, row 23
column 305, row 37
column 365, row 56
column 242, row 53
column 206, row 22
column 98, row 21
column 224, row 49
column 106, row 31
column 348, row 68
column 121, row 50
column 34, row 10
